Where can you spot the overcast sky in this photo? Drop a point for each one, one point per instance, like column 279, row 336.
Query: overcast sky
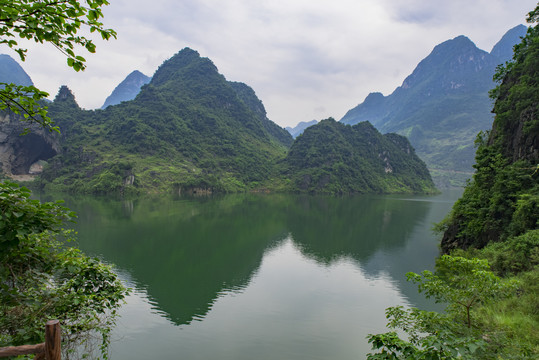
column 305, row 59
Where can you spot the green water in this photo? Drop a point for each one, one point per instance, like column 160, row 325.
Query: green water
column 260, row 276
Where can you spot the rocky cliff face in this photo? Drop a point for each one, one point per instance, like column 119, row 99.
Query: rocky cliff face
column 502, row 201
column 519, row 143
column 24, row 154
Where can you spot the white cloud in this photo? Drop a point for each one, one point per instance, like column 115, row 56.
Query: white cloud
column 306, row 59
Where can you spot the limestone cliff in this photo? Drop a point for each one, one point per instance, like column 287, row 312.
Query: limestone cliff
column 502, row 201
column 24, row 154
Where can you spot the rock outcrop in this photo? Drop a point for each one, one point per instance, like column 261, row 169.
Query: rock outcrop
column 24, row 154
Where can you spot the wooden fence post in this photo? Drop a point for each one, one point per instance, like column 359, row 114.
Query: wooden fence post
column 49, row 350
column 53, row 348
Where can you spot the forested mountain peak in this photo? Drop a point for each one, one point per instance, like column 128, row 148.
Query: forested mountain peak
column 249, row 98
column 374, row 98
column 189, row 128
column 331, row 157
column 449, row 65
column 65, row 96
column 185, row 61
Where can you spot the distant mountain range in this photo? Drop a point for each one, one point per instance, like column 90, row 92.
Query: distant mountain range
column 300, row 127
column 127, row 89
column 189, row 128
column 12, row 72
column 442, row 105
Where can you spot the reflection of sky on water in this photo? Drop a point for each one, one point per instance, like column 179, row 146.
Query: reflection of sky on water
column 292, row 308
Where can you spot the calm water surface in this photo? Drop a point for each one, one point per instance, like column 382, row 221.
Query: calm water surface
column 260, row 276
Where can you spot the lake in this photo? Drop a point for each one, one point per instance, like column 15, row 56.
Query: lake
column 255, row 276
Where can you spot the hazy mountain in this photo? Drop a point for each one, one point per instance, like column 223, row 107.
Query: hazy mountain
column 300, row 127
column 331, row 157
column 12, row 72
column 441, row 106
column 503, row 50
column 127, row 89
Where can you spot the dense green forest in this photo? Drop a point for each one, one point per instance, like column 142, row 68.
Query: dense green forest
column 331, row 157
column 490, row 279
column 190, row 130
column 187, row 129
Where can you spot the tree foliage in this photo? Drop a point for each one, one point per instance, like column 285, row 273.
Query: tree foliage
column 47, row 21
column 21, row 216
column 462, row 284
column 44, row 279
column 41, row 277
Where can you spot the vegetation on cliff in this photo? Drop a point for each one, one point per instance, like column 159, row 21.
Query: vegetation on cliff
column 492, row 236
column 502, row 200
column 331, row 157
column 189, row 129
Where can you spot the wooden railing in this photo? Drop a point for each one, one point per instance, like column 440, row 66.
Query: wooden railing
column 49, row 350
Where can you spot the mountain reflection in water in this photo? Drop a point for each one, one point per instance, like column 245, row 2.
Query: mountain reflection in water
column 298, row 263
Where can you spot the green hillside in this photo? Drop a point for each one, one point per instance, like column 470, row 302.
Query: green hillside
column 330, row 157
column 187, row 128
column 191, row 131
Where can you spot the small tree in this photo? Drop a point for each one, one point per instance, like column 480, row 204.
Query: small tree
column 460, row 283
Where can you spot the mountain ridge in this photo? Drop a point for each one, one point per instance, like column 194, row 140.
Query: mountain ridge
column 300, row 127
column 187, row 129
column 441, row 106
column 190, row 130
